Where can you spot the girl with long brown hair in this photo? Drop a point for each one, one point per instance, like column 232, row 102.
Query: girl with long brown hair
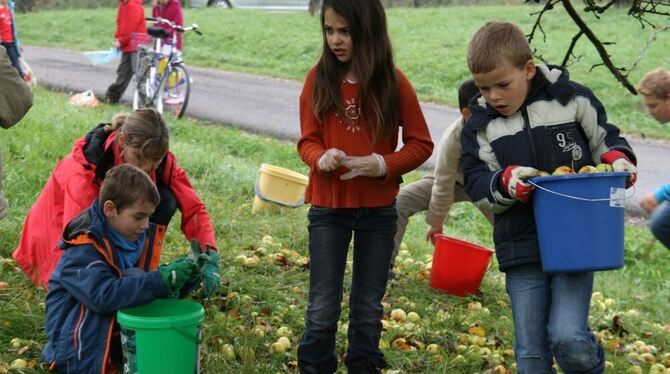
column 352, row 105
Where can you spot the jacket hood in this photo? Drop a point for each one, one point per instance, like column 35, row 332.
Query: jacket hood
column 88, row 222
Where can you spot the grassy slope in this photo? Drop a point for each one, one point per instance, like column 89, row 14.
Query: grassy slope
column 222, row 164
column 430, row 46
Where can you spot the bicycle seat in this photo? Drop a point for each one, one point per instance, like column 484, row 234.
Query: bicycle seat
column 157, row 32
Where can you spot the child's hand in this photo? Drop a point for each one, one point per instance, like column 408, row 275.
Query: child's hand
column 649, row 203
column 365, row 166
column 331, row 160
column 116, row 44
column 620, row 162
column 208, row 262
column 176, row 274
column 513, row 182
column 433, row 232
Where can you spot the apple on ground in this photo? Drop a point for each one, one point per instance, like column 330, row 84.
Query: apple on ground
column 398, row 315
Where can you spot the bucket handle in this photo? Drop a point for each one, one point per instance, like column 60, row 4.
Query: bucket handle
column 261, row 196
column 582, row 198
column 197, row 339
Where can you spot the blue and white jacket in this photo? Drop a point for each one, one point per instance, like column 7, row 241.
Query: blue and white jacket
column 560, row 123
column 85, row 291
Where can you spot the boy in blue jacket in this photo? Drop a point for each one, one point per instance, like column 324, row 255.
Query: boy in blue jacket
column 108, row 249
column 530, row 118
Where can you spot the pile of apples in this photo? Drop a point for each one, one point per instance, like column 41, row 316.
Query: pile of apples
column 566, row 170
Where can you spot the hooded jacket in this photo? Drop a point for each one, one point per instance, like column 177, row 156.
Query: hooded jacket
column 75, row 184
column 129, row 20
column 85, row 291
column 560, row 123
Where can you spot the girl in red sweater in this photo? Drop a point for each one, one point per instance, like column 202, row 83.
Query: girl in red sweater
column 351, row 107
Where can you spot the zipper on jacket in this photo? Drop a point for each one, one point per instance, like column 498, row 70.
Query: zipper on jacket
column 526, row 127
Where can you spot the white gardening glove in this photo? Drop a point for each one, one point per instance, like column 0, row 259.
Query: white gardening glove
column 331, row 160
column 620, row 162
column 513, row 180
column 364, row 166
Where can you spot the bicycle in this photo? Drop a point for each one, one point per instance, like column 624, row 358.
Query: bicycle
column 161, row 79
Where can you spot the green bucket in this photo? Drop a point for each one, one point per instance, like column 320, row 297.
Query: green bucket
column 161, row 337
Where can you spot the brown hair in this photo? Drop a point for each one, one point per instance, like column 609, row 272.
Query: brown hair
column 371, row 63
column 656, row 83
column 124, row 185
column 144, row 130
column 496, row 43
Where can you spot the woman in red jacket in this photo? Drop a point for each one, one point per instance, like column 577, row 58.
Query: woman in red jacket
column 129, row 20
column 140, row 139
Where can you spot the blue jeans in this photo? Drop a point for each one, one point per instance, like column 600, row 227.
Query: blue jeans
column 330, row 232
column 659, row 224
column 550, row 314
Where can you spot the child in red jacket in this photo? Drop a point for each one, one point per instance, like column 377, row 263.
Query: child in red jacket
column 129, row 20
column 7, row 38
column 170, row 10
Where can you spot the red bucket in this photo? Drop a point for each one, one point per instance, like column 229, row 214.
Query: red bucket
column 458, row 266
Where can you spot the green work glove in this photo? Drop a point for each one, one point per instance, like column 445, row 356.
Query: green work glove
column 208, row 261
column 176, row 274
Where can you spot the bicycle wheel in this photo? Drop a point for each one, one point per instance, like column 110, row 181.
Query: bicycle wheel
column 175, row 90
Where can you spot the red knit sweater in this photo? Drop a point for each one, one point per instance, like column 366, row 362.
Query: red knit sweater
column 355, row 139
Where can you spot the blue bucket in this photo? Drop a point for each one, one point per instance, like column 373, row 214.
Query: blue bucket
column 580, row 221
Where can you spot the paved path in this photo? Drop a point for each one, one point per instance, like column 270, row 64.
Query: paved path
column 270, row 106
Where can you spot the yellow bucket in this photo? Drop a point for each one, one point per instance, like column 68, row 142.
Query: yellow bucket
column 278, row 187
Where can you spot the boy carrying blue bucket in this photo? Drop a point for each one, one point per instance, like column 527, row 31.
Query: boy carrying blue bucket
column 530, row 118
column 108, row 249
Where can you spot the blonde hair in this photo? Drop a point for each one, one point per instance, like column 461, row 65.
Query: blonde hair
column 655, row 83
column 496, row 43
column 144, row 130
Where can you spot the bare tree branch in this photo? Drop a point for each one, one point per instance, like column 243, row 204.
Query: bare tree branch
column 591, row 6
column 602, row 51
column 572, row 46
column 537, row 25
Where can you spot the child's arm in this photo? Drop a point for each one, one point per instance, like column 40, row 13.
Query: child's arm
column 482, row 172
column 310, row 145
column 602, row 136
column 446, row 171
column 88, row 278
column 417, row 144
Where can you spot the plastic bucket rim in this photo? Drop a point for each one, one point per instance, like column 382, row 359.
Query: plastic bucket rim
column 551, row 178
column 287, row 174
column 143, row 322
column 461, row 241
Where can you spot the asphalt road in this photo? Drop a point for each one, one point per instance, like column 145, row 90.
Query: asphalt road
column 270, row 106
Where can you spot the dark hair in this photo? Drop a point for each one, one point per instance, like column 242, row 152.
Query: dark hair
column 371, row 63
column 466, row 91
column 124, row 185
column 145, row 130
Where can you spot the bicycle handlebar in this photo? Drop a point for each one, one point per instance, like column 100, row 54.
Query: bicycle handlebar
column 174, row 26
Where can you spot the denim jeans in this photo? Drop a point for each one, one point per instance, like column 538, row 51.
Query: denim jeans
column 659, row 224
column 550, row 314
column 330, row 232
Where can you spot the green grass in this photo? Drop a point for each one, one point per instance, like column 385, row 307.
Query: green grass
column 223, row 164
column 430, row 46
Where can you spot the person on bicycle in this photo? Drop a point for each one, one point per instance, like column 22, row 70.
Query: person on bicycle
column 140, row 138
column 171, row 11
column 129, row 21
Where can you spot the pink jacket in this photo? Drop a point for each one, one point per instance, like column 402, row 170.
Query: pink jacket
column 170, row 11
